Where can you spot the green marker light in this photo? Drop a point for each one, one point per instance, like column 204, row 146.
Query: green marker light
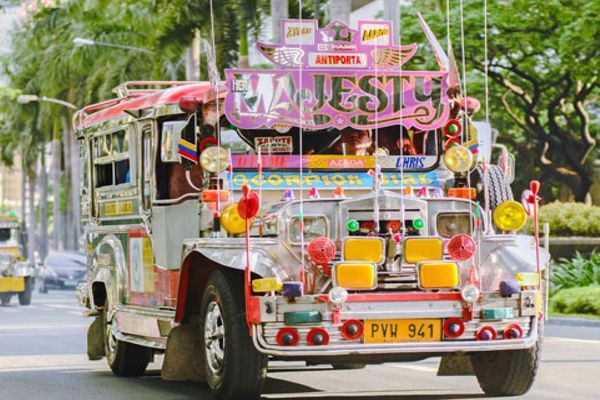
column 352, row 225
column 418, row 223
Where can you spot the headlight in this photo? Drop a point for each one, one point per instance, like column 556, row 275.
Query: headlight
column 314, row 226
column 214, row 159
column 458, row 159
column 450, row 224
column 470, row 293
column 510, row 216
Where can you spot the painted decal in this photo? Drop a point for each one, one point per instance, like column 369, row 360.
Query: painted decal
column 297, row 32
column 375, row 34
column 318, row 161
column 141, row 269
column 188, row 150
column 331, row 180
column 114, row 208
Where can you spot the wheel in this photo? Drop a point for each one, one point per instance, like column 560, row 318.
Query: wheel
column 234, row 368
column 5, row 298
column 25, row 296
column 348, row 365
column 507, row 373
column 499, row 190
column 124, row 359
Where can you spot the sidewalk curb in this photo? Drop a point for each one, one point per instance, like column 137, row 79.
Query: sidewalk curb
column 566, row 321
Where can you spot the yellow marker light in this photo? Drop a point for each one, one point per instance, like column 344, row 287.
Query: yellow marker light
column 266, row 285
column 458, row 159
column 438, row 275
column 232, row 221
column 510, row 216
column 364, row 249
column 355, row 276
column 422, row 249
column 528, row 278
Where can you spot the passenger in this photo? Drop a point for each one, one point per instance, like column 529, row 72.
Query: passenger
column 355, row 142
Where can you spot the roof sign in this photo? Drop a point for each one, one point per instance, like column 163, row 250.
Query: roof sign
column 336, row 76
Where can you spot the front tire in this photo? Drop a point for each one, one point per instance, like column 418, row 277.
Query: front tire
column 5, row 298
column 25, row 296
column 234, row 368
column 507, row 373
column 124, row 359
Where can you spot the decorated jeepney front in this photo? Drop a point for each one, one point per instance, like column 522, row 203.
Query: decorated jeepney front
column 397, row 246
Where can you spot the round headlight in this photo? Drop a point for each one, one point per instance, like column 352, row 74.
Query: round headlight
column 214, row 159
column 470, row 293
column 338, row 295
column 458, row 159
column 510, row 216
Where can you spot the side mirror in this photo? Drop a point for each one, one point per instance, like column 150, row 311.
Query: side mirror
column 172, row 132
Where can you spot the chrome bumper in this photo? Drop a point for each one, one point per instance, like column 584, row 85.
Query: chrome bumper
column 395, row 348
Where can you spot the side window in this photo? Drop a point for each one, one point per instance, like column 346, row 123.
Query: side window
column 84, row 182
column 147, row 166
column 111, row 159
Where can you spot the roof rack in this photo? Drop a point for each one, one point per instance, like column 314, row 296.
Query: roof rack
column 137, row 88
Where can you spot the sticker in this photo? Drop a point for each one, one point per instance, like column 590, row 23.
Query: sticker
column 337, row 60
column 274, row 144
column 114, row 208
column 375, row 33
column 411, row 162
column 299, row 32
column 188, row 150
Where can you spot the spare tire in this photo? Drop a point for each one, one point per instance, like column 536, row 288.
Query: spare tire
column 499, row 190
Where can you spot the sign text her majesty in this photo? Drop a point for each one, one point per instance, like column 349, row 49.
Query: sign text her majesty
column 337, row 77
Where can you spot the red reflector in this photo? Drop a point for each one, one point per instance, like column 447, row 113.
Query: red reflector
column 512, row 331
column 317, row 337
column 352, row 329
column 454, row 327
column 461, row 247
column 287, row 337
column 486, row 333
column 321, row 250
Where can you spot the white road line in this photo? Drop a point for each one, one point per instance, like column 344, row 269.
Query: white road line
column 572, row 340
column 28, row 327
column 61, row 306
column 419, row 368
column 45, row 362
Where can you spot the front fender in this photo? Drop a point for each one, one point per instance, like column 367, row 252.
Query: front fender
column 108, row 267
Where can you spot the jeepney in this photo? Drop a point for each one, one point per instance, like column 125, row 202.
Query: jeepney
column 337, row 209
column 16, row 273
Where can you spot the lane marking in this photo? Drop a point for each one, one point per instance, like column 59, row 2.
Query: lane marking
column 27, row 327
column 572, row 340
column 419, row 368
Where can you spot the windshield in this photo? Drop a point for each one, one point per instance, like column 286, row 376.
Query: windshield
column 8, row 234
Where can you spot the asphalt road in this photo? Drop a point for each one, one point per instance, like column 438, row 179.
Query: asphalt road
column 42, row 356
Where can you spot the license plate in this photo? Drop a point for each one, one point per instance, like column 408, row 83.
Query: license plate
column 12, row 284
column 402, row 330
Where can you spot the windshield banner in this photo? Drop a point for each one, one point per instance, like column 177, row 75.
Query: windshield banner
column 331, row 180
column 336, row 77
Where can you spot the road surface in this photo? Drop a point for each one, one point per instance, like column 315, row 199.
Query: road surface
column 42, row 356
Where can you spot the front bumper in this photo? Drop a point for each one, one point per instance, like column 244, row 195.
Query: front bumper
column 386, row 349
column 12, row 284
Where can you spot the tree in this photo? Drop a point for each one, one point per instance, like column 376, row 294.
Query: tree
column 543, row 63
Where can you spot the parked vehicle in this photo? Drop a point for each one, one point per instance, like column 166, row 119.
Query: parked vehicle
column 16, row 273
column 328, row 210
column 62, row 270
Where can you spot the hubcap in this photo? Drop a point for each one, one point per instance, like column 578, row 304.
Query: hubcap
column 214, row 338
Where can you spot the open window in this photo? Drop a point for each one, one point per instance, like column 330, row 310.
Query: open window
column 112, row 164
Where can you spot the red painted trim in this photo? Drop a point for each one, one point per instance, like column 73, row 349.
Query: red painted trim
column 253, row 310
column 380, row 297
column 182, row 291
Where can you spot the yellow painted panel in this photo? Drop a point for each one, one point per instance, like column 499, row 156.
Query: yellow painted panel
column 438, row 275
column 356, row 276
column 422, row 249
column 368, row 249
column 12, row 284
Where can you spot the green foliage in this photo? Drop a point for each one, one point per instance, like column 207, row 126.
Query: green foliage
column 569, row 219
column 580, row 300
column 577, row 272
column 543, row 63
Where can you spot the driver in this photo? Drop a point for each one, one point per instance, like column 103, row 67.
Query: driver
column 355, row 142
